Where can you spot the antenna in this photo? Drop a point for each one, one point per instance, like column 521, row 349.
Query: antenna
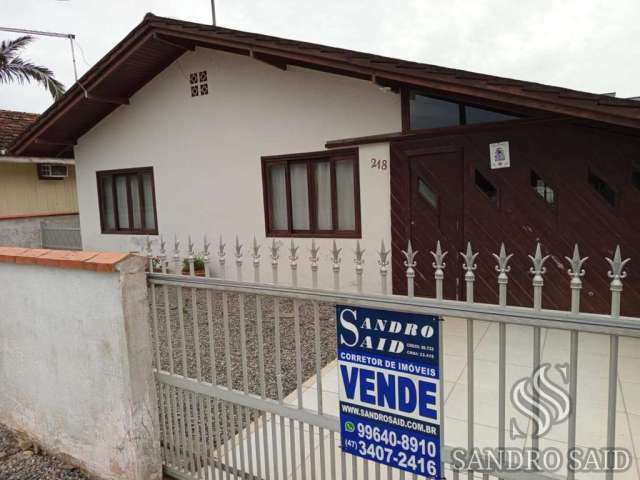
column 213, row 12
column 41, row 33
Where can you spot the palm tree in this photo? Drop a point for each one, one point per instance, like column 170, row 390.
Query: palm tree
column 15, row 69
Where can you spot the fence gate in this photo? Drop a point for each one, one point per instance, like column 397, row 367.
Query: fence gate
column 247, row 379
column 61, row 236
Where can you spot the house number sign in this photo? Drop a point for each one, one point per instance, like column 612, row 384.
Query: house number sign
column 379, row 164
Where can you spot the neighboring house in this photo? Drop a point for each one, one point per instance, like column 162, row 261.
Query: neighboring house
column 185, row 128
column 32, row 190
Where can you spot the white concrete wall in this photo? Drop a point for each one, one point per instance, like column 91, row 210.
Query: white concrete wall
column 75, row 365
column 206, row 150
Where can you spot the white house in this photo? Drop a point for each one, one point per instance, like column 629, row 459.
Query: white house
column 187, row 129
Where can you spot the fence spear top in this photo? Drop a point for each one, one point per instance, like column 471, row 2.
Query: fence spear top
column 503, row 260
column 221, row 246
column 293, row 251
column 469, row 258
column 410, row 256
column 538, row 261
column 190, row 246
column 238, row 247
column 438, row 256
column 359, row 252
column 314, row 251
column 384, row 255
column 617, row 265
column 335, row 253
column 575, row 263
column 256, row 249
column 275, row 248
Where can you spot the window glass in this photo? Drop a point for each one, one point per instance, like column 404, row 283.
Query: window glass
column 603, row 188
column 136, row 208
column 427, row 193
column 542, row 189
column 635, row 174
column 480, row 115
column 314, row 194
column 345, row 195
column 427, row 112
column 149, row 207
column 299, row 196
column 485, row 186
column 127, row 201
column 122, row 201
column 323, row 195
column 278, row 190
column 108, row 206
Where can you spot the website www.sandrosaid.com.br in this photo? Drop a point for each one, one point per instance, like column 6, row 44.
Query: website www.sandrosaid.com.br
column 396, row 420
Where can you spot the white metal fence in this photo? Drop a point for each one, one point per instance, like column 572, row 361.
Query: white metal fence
column 242, row 366
column 60, row 236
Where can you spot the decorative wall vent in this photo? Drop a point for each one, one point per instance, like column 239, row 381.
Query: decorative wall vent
column 198, row 82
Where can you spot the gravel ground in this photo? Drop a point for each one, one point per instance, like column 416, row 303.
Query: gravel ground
column 326, row 328
column 245, row 376
column 19, row 461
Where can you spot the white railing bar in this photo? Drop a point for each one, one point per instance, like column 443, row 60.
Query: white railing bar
column 563, row 320
column 250, row 400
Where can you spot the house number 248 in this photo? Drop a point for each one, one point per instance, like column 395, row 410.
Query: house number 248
column 379, row 164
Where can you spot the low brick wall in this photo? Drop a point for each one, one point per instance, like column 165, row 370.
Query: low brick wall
column 75, row 358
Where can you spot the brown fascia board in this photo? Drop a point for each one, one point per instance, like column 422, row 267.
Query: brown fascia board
column 329, row 59
column 78, row 89
column 302, row 53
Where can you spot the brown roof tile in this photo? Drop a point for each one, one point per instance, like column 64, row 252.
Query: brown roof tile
column 13, row 124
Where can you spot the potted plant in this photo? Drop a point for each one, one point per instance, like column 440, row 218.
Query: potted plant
column 198, row 265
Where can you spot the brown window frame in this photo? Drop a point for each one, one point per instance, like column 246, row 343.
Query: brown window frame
column 311, row 158
column 129, row 172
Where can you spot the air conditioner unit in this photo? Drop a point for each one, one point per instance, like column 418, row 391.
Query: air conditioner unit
column 52, row 171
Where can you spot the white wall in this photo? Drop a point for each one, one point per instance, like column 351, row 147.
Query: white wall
column 75, row 365
column 206, row 150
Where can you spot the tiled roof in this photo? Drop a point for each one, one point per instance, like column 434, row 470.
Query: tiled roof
column 13, row 124
column 157, row 42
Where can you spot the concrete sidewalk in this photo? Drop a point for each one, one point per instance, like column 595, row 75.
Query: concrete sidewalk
column 591, row 401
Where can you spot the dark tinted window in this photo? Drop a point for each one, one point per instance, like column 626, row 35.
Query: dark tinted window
column 542, row 188
column 427, row 112
column 480, row 115
column 603, row 188
column 485, row 185
column 635, row 174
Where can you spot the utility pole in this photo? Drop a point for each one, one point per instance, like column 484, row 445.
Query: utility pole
column 70, row 36
column 213, row 12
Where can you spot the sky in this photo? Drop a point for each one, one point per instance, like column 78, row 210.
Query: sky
column 589, row 45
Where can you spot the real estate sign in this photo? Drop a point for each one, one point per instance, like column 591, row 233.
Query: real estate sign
column 389, row 377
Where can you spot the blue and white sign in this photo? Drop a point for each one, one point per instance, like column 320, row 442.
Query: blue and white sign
column 389, row 379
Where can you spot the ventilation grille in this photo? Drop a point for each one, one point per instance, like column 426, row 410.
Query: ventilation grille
column 199, row 83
